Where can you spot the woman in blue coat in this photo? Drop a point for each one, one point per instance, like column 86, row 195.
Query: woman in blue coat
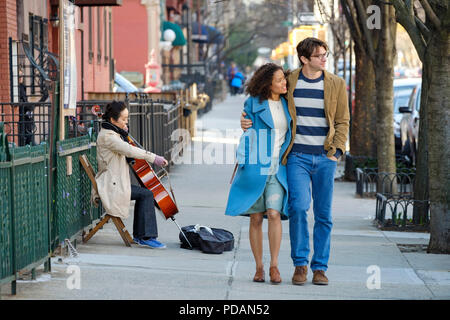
column 259, row 189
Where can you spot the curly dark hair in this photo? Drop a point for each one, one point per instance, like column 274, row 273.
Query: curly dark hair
column 259, row 84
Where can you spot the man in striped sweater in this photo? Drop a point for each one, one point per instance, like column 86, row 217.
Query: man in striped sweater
column 318, row 105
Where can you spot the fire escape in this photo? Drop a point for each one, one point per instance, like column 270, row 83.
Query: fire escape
column 32, row 70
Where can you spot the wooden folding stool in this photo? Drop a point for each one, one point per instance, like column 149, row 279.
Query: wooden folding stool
column 117, row 221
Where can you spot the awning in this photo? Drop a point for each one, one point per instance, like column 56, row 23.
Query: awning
column 97, row 3
column 215, row 36
column 205, row 34
column 180, row 40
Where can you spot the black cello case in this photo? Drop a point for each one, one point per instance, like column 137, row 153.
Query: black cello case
column 208, row 240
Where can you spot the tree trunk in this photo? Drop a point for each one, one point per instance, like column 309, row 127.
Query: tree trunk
column 438, row 112
column 421, row 185
column 363, row 138
column 384, row 74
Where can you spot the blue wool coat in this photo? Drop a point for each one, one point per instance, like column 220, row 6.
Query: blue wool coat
column 253, row 155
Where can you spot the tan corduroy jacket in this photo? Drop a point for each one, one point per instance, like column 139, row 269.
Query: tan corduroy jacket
column 336, row 112
column 113, row 175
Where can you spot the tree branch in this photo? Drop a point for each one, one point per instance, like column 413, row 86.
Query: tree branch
column 363, row 19
column 353, row 24
column 430, row 14
column 408, row 22
column 227, row 51
column 423, row 28
column 332, row 23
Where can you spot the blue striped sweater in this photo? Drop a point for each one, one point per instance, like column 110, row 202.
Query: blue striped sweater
column 312, row 127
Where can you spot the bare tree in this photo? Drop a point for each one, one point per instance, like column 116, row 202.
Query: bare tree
column 372, row 118
column 363, row 123
column 431, row 38
column 261, row 23
column 338, row 29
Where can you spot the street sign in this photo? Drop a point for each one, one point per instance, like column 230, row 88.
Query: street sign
column 264, row 50
column 68, row 69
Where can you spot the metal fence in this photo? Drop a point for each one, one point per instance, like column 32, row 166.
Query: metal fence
column 369, row 182
column 6, row 232
column 74, row 210
column 24, row 217
column 26, row 122
column 398, row 211
column 151, row 122
column 395, row 204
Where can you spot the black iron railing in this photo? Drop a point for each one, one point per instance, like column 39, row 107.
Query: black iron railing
column 151, row 122
column 26, row 123
column 369, row 182
column 398, row 211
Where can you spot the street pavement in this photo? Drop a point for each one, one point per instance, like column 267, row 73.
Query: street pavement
column 365, row 262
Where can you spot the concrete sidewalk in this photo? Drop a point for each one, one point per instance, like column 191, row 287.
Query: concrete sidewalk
column 109, row 270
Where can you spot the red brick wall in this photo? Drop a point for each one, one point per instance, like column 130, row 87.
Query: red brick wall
column 130, row 32
column 8, row 28
column 96, row 73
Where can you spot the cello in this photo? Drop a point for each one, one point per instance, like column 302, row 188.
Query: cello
column 148, row 179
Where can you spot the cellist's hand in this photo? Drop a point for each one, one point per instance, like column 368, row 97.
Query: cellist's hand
column 160, row 161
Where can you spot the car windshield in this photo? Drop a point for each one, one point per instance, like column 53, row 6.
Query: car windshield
column 124, row 84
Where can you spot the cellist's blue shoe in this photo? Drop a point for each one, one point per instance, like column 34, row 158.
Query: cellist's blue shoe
column 152, row 243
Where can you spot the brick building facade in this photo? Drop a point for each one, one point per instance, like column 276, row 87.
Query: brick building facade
column 93, row 27
column 8, row 28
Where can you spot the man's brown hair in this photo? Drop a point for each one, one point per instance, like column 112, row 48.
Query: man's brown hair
column 307, row 46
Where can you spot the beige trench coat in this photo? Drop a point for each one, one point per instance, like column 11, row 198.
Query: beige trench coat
column 113, row 176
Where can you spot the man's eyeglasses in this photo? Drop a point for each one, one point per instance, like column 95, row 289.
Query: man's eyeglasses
column 321, row 56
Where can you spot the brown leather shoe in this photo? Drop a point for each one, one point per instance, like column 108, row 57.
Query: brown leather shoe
column 320, row 278
column 299, row 277
column 259, row 275
column 275, row 277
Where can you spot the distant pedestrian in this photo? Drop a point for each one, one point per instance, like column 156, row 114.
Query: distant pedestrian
column 318, row 106
column 232, row 70
column 260, row 188
column 237, row 83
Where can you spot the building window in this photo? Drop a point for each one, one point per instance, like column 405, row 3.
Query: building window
column 90, row 45
column 111, row 60
column 99, row 37
column 105, row 29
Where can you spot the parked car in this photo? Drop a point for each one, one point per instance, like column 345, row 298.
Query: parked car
column 409, row 125
column 402, row 92
column 122, row 84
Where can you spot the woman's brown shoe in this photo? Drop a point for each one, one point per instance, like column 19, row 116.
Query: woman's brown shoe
column 275, row 277
column 259, row 275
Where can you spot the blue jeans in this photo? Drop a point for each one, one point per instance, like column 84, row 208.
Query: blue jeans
column 304, row 171
column 144, row 222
